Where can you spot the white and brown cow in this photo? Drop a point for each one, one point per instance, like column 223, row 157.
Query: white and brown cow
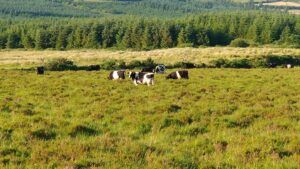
column 118, row 74
column 180, row 74
column 142, row 78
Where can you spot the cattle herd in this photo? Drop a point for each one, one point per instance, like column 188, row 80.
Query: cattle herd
column 145, row 76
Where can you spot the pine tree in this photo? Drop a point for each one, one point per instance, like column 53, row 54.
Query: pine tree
column 27, row 41
column 267, row 34
column 253, row 33
column 182, row 37
column 13, row 41
column 92, row 40
column 127, row 42
column 285, row 35
column 62, row 39
column 3, row 41
column 147, row 41
column 42, row 39
column 166, row 41
column 78, row 38
column 202, row 37
column 119, row 37
column 108, row 37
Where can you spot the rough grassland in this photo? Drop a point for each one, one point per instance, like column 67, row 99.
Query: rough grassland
column 220, row 118
column 167, row 56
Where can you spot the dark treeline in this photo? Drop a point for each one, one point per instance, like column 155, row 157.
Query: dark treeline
column 138, row 33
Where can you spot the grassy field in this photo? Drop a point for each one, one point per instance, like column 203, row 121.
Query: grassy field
column 220, row 118
column 21, row 58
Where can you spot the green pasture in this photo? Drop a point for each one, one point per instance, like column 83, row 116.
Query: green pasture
column 220, row 118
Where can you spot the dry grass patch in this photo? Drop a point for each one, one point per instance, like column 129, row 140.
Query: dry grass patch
column 167, row 56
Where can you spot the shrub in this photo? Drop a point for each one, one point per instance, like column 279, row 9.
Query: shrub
column 239, row 63
column 239, row 43
column 109, row 65
column 139, row 64
column 61, row 64
column 149, row 63
column 184, row 65
column 134, row 64
column 219, row 63
column 282, row 60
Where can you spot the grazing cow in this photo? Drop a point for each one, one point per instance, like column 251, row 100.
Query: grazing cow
column 180, row 74
column 147, row 69
column 114, row 75
column 93, row 68
column 289, row 66
column 142, row 78
column 40, row 70
column 272, row 65
column 160, row 69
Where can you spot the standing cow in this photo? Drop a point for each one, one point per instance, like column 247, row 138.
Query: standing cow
column 160, row 69
column 142, row 78
column 115, row 75
column 40, row 70
column 180, row 74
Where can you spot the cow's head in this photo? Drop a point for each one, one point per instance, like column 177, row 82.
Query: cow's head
column 132, row 75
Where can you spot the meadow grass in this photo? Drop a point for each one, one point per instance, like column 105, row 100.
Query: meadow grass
column 220, row 118
column 21, row 58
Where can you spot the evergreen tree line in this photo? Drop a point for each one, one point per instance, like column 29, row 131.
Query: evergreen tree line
column 138, row 33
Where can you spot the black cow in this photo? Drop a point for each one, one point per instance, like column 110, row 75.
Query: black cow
column 40, row 70
column 142, row 78
column 114, row 75
column 147, row 69
column 180, row 74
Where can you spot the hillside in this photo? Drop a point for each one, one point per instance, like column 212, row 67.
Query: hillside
column 100, row 8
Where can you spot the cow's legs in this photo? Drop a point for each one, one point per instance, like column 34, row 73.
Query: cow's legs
column 152, row 81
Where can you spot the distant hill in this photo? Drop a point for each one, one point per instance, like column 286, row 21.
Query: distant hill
column 99, row 8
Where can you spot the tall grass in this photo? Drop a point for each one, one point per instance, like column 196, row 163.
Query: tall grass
column 20, row 58
column 220, row 118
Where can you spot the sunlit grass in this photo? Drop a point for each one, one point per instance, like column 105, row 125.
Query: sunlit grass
column 21, row 58
column 220, row 118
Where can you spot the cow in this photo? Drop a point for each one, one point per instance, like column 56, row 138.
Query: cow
column 180, row 74
column 40, row 70
column 142, row 78
column 160, row 69
column 289, row 66
column 118, row 74
column 148, row 69
column 272, row 65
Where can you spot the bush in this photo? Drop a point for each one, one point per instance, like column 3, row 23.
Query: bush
column 184, row 65
column 239, row 43
column 219, row 63
column 135, row 64
column 109, row 65
column 139, row 64
column 61, row 64
column 282, row 60
column 239, row 63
